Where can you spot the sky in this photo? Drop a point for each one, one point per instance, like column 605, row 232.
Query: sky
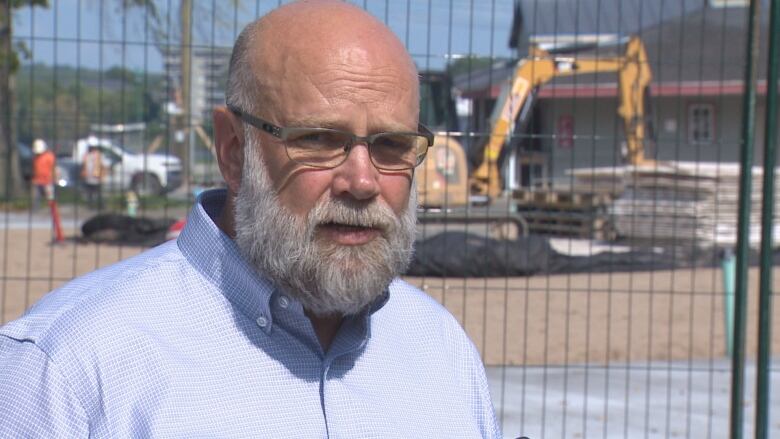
column 98, row 34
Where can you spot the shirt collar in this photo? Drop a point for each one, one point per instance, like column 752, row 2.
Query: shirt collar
column 217, row 257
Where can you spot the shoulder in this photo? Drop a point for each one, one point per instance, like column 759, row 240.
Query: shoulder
column 118, row 312
column 90, row 304
column 414, row 301
column 410, row 307
column 37, row 393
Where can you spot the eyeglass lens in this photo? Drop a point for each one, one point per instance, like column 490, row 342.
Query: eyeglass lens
column 328, row 148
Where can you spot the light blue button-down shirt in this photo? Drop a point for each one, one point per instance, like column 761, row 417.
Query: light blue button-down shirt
column 186, row 340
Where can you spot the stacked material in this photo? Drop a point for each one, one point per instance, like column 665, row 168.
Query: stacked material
column 564, row 212
column 602, row 180
column 686, row 201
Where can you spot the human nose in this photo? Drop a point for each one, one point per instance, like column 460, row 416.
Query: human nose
column 356, row 176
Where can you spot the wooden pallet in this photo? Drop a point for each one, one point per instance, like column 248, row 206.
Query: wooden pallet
column 560, row 199
column 567, row 223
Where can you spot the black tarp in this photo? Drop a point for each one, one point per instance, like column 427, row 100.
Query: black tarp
column 463, row 254
column 125, row 230
column 460, row 254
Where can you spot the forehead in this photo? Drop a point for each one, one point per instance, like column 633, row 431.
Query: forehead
column 350, row 73
column 301, row 78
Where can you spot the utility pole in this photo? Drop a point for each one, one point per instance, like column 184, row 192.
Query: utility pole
column 11, row 184
column 185, row 13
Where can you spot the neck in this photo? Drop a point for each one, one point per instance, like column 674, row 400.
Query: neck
column 325, row 328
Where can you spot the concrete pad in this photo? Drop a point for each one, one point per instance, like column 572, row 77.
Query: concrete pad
column 638, row 400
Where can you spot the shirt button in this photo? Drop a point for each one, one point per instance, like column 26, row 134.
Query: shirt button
column 284, row 302
column 262, row 321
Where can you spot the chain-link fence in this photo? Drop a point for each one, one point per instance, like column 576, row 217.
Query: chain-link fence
column 586, row 212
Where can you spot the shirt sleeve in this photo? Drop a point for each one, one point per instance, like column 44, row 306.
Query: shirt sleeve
column 483, row 410
column 35, row 398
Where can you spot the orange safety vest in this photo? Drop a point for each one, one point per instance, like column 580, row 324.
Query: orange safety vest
column 43, row 168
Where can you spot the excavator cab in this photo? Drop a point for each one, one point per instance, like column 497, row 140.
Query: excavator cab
column 442, row 180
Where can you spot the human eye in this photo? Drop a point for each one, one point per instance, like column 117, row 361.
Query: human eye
column 395, row 142
column 318, row 139
column 397, row 151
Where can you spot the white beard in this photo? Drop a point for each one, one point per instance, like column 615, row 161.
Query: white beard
column 327, row 278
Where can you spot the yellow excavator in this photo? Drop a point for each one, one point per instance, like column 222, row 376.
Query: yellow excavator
column 446, row 182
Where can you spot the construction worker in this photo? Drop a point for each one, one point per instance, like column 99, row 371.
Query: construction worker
column 42, row 173
column 92, row 171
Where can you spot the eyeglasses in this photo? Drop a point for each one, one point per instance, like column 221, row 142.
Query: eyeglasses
column 328, row 148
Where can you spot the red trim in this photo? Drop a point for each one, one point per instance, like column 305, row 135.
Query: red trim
column 686, row 88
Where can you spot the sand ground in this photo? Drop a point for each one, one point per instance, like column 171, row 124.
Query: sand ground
column 562, row 319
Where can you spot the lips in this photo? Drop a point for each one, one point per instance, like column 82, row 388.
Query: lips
column 346, row 234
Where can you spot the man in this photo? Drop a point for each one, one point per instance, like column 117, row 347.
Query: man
column 277, row 312
column 42, row 173
column 92, row 171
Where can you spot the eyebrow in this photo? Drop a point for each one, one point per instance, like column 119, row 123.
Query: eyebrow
column 337, row 124
column 316, row 122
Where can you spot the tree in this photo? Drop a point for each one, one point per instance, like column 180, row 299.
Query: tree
column 164, row 31
column 11, row 184
column 65, row 109
column 469, row 64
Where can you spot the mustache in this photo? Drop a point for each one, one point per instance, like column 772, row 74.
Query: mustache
column 334, row 211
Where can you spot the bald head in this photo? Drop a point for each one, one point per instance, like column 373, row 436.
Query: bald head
column 294, row 41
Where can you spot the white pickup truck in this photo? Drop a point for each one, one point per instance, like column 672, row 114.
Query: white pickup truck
column 146, row 174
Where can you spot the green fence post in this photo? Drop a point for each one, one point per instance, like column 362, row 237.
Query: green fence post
column 743, row 224
column 767, row 226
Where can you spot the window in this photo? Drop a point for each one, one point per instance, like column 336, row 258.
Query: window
column 701, row 124
column 729, row 3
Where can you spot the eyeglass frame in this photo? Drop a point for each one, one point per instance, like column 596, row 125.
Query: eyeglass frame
column 282, row 132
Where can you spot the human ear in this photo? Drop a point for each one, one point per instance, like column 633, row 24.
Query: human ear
column 228, row 145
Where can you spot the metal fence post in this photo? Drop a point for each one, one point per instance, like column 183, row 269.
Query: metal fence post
column 743, row 223
column 767, row 213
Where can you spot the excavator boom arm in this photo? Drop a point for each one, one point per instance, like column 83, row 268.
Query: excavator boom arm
column 634, row 75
